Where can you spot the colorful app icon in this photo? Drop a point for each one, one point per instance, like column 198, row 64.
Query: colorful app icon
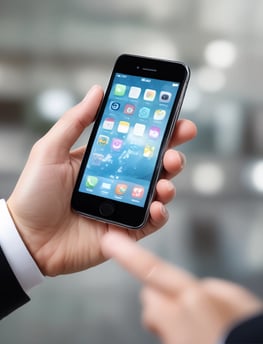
column 121, row 189
column 134, row 92
column 137, row 191
column 91, row 182
column 159, row 114
column 123, row 127
column 103, row 140
column 108, row 123
column 119, row 90
column 165, row 97
column 154, row 132
column 149, row 95
column 116, row 144
column 144, row 112
column 148, row 151
column 114, row 106
column 139, row 129
column 129, row 109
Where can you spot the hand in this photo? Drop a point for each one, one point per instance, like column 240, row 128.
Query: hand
column 60, row 240
column 178, row 307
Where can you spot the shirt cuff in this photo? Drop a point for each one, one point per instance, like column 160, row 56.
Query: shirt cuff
column 20, row 260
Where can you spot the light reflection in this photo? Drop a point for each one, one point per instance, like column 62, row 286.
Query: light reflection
column 208, row 178
column 257, row 176
column 51, row 104
column 221, row 54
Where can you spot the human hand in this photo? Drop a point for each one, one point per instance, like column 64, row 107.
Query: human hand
column 177, row 306
column 60, row 240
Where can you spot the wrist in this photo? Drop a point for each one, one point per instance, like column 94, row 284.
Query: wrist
column 16, row 252
column 24, row 230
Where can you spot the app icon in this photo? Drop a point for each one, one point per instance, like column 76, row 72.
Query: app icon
column 97, row 159
column 154, row 132
column 114, row 106
column 159, row 114
column 165, row 97
column 134, row 92
column 148, row 151
column 103, row 140
column 121, row 189
column 149, row 94
column 119, row 90
column 116, row 144
column 108, row 123
column 106, row 186
column 139, row 129
column 144, row 112
column 123, row 127
column 91, row 182
column 137, row 192
column 129, row 109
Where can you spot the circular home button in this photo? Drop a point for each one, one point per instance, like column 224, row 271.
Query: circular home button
column 106, row 209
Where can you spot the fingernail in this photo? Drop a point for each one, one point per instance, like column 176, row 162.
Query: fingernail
column 164, row 212
column 169, row 186
column 183, row 159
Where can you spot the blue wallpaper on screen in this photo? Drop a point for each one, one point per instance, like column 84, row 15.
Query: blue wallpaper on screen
column 125, row 150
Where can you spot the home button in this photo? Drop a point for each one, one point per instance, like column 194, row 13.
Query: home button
column 106, row 209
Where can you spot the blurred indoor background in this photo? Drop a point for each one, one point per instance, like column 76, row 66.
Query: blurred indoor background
column 51, row 52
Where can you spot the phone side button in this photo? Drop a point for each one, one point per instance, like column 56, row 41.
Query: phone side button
column 106, row 209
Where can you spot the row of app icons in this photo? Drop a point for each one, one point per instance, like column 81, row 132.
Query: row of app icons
column 144, row 112
column 139, row 129
column 120, row 90
column 116, row 145
column 120, row 189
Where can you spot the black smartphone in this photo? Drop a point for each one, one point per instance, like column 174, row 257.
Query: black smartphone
column 123, row 159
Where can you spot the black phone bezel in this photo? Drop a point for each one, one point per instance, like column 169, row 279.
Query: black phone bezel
column 124, row 214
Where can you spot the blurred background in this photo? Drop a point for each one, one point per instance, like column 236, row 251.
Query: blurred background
column 51, row 52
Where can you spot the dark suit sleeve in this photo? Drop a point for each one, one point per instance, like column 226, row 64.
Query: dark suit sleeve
column 249, row 331
column 12, row 295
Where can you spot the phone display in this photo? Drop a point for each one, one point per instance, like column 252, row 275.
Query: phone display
column 123, row 159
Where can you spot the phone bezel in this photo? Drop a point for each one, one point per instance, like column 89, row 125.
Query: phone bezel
column 128, row 215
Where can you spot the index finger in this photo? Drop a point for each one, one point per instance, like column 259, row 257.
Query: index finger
column 185, row 130
column 145, row 266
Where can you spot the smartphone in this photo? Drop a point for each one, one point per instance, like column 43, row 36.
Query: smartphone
column 123, row 160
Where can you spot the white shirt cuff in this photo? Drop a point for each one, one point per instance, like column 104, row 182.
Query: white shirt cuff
column 16, row 253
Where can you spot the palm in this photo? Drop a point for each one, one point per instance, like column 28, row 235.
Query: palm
column 73, row 241
column 65, row 241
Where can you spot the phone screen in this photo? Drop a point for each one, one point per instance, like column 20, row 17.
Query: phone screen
column 128, row 140
column 123, row 159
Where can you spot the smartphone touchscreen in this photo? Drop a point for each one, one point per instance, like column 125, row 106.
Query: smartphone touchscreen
column 123, row 159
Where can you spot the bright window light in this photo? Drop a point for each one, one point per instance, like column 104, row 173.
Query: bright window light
column 51, row 104
column 220, row 54
column 208, row 178
column 257, row 176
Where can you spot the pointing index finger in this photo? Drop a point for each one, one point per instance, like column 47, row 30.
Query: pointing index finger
column 145, row 266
